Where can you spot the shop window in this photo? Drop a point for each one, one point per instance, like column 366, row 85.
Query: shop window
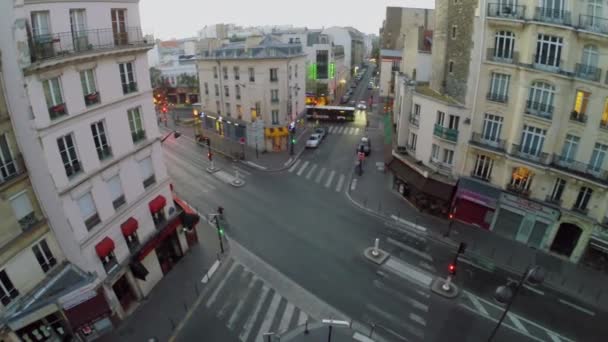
column 521, row 178
column 109, row 262
column 583, row 198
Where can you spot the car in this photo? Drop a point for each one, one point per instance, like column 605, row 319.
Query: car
column 344, row 99
column 361, row 105
column 370, row 85
column 321, row 131
column 351, row 103
column 313, row 141
column 365, row 146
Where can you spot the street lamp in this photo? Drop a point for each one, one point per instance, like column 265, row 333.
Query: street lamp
column 175, row 134
column 535, row 275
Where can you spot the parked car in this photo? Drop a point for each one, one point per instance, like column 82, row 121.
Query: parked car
column 352, row 103
column 370, row 85
column 321, row 131
column 361, row 105
column 365, row 145
column 313, row 141
column 344, row 99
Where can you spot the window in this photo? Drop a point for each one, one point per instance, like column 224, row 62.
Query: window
column 217, row 107
column 435, row 152
column 251, row 75
column 88, row 212
column 416, row 109
column 483, row 167
column 583, row 198
column 54, row 98
column 604, row 121
column 580, row 104
column 69, row 157
column 206, row 88
column 109, row 262
column 228, row 109
column 558, row 190
column 40, row 25
column 44, row 256
column 8, row 292
column 440, row 118
column 217, row 90
column 239, row 111
column 214, row 72
column 597, row 157
column 24, row 213
column 147, row 172
column 552, row 10
column 521, row 179
column 127, row 77
column 570, row 148
column 274, row 95
column 132, row 241
column 413, row 141
column 548, row 50
column 136, row 125
column 87, row 80
column 225, row 72
column 101, row 142
column 454, row 28
column 274, row 74
column 532, row 140
column 159, row 217
column 237, row 91
column 540, row 99
column 8, row 167
column 275, row 117
column 296, row 72
column 289, row 71
column 590, row 58
column 448, row 156
column 504, row 44
column 226, row 91
column 499, row 87
column 450, row 66
column 237, row 75
column 453, row 122
column 492, row 126
column 119, row 26
column 116, row 193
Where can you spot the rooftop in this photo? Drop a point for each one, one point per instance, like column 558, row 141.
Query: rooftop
column 267, row 47
column 424, row 89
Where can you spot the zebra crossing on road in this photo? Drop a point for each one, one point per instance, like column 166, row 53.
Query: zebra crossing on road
column 345, row 130
column 324, row 176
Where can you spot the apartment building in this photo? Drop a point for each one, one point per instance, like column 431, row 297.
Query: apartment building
column 88, row 135
column 353, row 42
column 253, row 90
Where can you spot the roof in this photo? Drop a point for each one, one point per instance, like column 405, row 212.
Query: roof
column 390, row 53
column 427, row 91
column 268, row 47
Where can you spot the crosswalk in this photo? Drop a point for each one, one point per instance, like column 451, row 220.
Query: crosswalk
column 330, row 179
column 344, row 130
column 249, row 306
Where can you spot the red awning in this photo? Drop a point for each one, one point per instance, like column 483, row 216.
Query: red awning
column 154, row 242
column 157, row 204
column 129, row 226
column 187, row 210
column 88, row 311
column 104, row 247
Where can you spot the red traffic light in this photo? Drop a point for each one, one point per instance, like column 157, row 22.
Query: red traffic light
column 210, row 155
column 451, row 216
column 452, row 269
column 164, row 109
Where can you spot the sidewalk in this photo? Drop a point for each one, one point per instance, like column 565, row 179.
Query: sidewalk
column 374, row 193
column 167, row 304
column 266, row 161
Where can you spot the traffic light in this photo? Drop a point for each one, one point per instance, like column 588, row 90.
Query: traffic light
column 293, row 141
column 210, row 156
column 452, row 269
column 164, row 109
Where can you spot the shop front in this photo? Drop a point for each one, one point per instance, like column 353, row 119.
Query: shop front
column 524, row 220
column 228, row 128
column 276, row 138
column 596, row 253
column 475, row 202
column 88, row 313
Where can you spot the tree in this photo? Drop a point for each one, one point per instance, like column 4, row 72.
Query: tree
column 187, row 80
column 155, row 77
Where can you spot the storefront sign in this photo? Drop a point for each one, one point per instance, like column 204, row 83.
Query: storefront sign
column 527, row 205
column 476, row 197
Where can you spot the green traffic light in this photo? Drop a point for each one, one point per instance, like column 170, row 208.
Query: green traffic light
column 221, row 231
column 293, row 141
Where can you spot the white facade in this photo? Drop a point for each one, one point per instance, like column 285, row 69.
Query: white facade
column 388, row 66
column 341, row 36
column 171, row 71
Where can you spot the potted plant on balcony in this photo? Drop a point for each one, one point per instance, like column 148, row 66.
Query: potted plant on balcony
column 57, row 110
column 92, row 98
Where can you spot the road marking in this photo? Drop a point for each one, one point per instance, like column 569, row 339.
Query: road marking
column 255, row 165
column 398, row 321
column 245, row 172
column 351, row 131
column 517, row 323
column 239, row 306
column 293, row 167
column 361, row 338
column 408, row 272
column 579, row 308
column 353, row 184
column 554, row 337
column 336, row 322
column 528, row 287
column 286, row 318
column 310, row 172
column 341, row 130
column 331, row 177
column 288, row 161
column 303, row 318
column 251, row 319
column 340, row 182
column 332, row 129
column 302, row 168
column 410, row 249
column 211, row 271
column 357, row 130
column 272, row 310
column 478, row 304
column 216, row 291
column 417, row 319
column 318, row 179
column 413, row 302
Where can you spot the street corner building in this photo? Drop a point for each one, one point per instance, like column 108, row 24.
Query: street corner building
column 253, row 90
column 95, row 210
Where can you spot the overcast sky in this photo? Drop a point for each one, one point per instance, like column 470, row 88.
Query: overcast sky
column 183, row 18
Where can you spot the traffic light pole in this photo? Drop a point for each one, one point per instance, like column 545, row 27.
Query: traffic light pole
column 291, row 147
column 219, row 233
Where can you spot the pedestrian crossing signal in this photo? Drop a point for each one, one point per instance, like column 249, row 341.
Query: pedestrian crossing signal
column 293, row 141
column 221, row 230
column 452, row 269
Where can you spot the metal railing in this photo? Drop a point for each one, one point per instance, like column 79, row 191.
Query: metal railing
column 441, row 167
column 497, row 97
column 10, row 169
column 543, row 65
column 129, row 87
column 138, row 135
column 104, row 152
column 502, row 56
column 28, row 221
column 552, row 16
column 58, row 111
column 588, row 171
column 149, row 181
column 446, row 133
column 92, row 98
column 506, row 11
column 55, row 45
column 593, row 23
column 578, row 117
column 479, row 139
column 540, row 109
column 485, row 178
column 552, row 200
column 587, row 72
column 518, row 190
column 539, row 157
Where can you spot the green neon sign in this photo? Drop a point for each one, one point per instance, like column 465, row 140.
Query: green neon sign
column 332, row 70
column 312, row 71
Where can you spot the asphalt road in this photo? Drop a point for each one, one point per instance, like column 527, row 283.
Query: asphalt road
column 300, row 222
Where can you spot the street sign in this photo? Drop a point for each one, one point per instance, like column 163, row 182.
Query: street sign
column 242, row 141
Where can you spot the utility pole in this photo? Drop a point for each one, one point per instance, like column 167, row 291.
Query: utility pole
column 220, row 232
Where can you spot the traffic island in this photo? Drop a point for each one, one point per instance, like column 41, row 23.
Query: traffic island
column 237, row 183
column 212, row 169
column 376, row 255
column 445, row 288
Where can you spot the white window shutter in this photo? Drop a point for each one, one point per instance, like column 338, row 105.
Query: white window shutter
column 86, row 205
column 115, row 187
column 146, row 167
column 21, row 206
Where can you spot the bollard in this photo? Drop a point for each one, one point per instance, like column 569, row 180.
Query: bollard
column 375, row 251
column 371, row 331
column 306, row 327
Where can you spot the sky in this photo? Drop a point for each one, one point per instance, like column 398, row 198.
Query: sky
column 167, row 19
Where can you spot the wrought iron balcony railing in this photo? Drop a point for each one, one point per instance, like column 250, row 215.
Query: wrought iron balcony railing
column 587, row 72
column 446, row 133
column 552, row 16
column 497, row 97
column 495, row 144
column 578, row 117
column 540, row 109
column 593, row 23
column 589, row 171
column 506, row 11
column 502, row 56
column 533, row 155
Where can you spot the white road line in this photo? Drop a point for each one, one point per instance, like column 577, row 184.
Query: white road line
column 251, row 319
column 239, row 306
column 303, row 317
column 554, row 337
column 412, row 250
column 288, row 161
column 288, row 313
column 396, row 320
column 302, row 168
column 528, row 287
column 318, row 179
column 401, row 296
column 341, row 130
column 272, row 311
column 579, row 308
column 211, row 271
column 332, row 129
column 255, row 165
column 245, row 172
column 353, row 184
column 357, row 130
column 331, row 177
column 293, row 167
column 517, row 323
column 340, row 182
column 417, row 319
column 311, row 171
column 351, row 131
column 220, row 285
column 478, row 305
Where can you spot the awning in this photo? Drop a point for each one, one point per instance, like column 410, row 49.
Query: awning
column 477, row 191
column 139, row 270
column 189, row 217
column 87, row 312
column 129, row 226
column 157, row 204
column 169, row 229
column 428, row 186
column 104, row 247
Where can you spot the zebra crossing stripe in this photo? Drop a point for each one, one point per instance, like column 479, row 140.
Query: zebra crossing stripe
column 239, row 306
column 244, row 336
column 216, row 291
column 340, row 182
column 310, row 172
column 272, row 311
column 478, row 305
column 351, row 131
column 517, row 323
column 331, row 177
column 331, row 129
column 293, row 167
column 286, row 318
column 357, row 130
column 303, row 318
column 302, row 168
column 318, row 179
column 342, row 130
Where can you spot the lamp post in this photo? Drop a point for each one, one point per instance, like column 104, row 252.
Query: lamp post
column 175, row 134
column 506, row 293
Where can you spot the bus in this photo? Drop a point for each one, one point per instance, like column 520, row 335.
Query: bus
column 330, row 113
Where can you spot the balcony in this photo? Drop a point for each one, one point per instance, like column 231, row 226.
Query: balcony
column 11, row 169
column 553, row 200
column 593, row 23
column 92, row 221
column 58, row 111
column 497, row 10
column 104, row 152
column 540, row 109
column 414, row 120
column 64, row 44
column 501, row 56
column 580, row 210
column 73, row 169
column 578, row 117
column 577, row 168
column 149, row 181
column 445, row 133
column 518, row 190
column 498, row 145
column 544, row 63
column 441, row 167
column 128, row 88
column 485, row 178
column 138, row 135
column 92, row 99
column 538, row 157
column 28, row 221
column 587, row 72
column 274, row 100
column 552, row 16
column 497, row 97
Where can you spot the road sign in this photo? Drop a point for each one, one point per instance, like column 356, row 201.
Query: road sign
column 242, row 141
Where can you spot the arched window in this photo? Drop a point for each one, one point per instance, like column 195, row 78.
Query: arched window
column 540, row 99
column 504, row 43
